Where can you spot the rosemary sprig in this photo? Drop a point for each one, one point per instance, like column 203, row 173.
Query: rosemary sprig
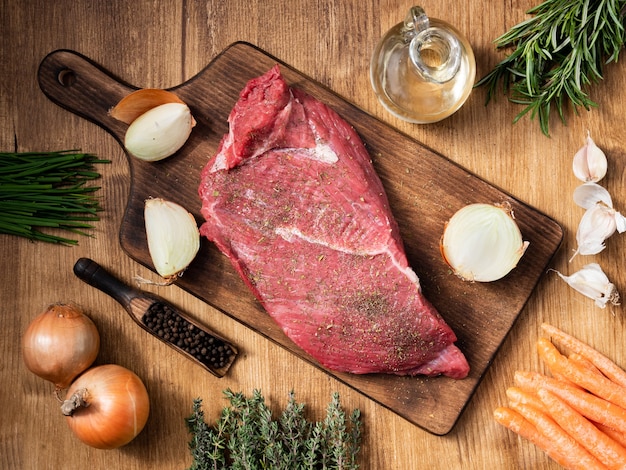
column 557, row 55
column 48, row 190
column 246, row 436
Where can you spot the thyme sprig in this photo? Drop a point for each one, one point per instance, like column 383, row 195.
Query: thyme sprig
column 48, row 190
column 557, row 56
column 246, row 436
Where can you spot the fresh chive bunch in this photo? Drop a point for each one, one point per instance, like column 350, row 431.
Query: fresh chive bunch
column 557, row 55
column 47, row 190
column 247, row 437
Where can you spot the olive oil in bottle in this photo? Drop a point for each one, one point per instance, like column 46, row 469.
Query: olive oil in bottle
column 423, row 69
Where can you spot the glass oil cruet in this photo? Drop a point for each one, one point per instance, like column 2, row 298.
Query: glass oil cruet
column 423, row 69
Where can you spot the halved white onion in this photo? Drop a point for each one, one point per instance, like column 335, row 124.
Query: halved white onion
column 173, row 237
column 482, row 242
column 159, row 132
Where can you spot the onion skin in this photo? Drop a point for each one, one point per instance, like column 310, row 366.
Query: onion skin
column 59, row 344
column 107, row 406
column 140, row 102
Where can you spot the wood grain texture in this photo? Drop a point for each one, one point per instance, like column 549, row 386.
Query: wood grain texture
column 165, row 44
column 420, row 198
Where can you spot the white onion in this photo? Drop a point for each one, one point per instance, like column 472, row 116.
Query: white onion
column 172, row 235
column 160, row 132
column 482, row 242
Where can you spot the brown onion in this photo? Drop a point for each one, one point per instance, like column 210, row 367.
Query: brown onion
column 107, row 406
column 60, row 343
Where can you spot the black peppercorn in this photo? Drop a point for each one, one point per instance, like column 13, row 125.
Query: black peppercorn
column 169, row 325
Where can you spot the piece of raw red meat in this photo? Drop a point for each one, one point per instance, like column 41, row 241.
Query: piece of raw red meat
column 293, row 200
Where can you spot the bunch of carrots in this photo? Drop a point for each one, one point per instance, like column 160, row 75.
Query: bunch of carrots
column 577, row 415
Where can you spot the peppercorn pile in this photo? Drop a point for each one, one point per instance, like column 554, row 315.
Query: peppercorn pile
column 171, row 327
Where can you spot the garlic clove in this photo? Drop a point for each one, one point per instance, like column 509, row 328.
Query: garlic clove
column 600, row 220
column 596, row 225
column 592, row 282
column 589, row 194
column 482, row 242
column 159, row 132
column 590, row 163
column 620, row 222
column 173, row 237
column 141, row 101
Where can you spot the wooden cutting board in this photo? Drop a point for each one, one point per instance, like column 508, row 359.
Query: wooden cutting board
column 424, row 190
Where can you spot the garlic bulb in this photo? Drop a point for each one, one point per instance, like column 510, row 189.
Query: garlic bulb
column 173, row 237
column 593, row 283
column 596, row 225
column 482, row 242
column 589, row 194
column 599, row 221
column 590, row 162
column 159, row 132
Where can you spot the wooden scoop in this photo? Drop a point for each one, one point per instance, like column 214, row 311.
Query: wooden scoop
column 155, row 315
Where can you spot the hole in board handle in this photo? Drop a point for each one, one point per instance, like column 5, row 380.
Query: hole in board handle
column 66, row 77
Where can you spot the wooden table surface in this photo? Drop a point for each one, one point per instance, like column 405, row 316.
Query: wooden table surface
column 163, row 44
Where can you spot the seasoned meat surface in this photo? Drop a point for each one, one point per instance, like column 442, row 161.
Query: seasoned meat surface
column 292, row 199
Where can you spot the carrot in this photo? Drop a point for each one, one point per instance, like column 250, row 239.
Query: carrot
column 577, row 457
column 515, row 422
column 562, row 378
column 606, row 365
column 601, row 446
column 617, row 436
column 592, row 407
column 585, row 363
column 595, row 383
column 526, row 397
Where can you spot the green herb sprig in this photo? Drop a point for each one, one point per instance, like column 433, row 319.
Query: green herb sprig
column 47, row 190
column 557, row 56
column 246, row 436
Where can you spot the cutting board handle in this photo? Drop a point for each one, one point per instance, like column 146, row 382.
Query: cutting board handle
column 81, row 86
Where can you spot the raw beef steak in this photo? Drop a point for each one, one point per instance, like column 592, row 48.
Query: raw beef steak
column 292, row 198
